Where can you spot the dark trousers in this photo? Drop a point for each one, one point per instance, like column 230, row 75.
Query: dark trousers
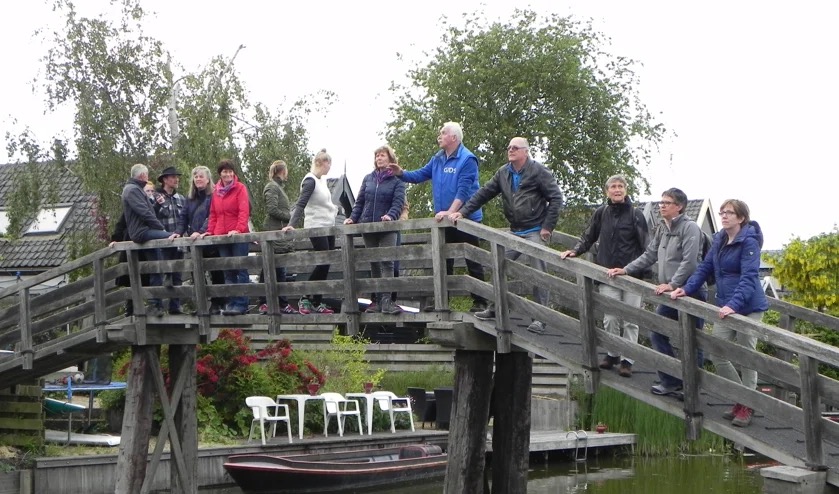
column 171, row 254
column 475, row 269
column 156, row 278
column 216, row 277
column 661, row 343
column 321, row 271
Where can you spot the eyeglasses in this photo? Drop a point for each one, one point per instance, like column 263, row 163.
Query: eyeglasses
column 727, row 213
column 515, row 148
column 666, row 203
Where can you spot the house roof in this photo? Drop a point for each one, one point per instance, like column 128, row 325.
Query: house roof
column 42, row 251
column 699, row 210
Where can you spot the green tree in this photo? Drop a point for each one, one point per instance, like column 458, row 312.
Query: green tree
column 809, row 269
column 545, row 78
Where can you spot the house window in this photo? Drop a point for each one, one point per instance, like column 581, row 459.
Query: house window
column 49, row 220
column 4, row 222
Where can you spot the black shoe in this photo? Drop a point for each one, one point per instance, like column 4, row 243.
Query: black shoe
column 609, row 362
column 176, row 312
column 129, row 308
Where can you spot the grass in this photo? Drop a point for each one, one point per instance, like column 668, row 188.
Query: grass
column 658, row 433
column 399, row 382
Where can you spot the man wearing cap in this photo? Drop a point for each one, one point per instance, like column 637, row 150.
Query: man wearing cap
column 168, row 204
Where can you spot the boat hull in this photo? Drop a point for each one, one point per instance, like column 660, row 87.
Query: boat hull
column 332, row 472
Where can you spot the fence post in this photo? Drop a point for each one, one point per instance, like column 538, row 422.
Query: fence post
column 438, row 265
column 26, row 346
column 588, row 329
column 269, row 277
column 100, row 318
column 350, row 304
column 199, row 286
column 502, row 310
column 690, row 376
column 133, row 260
column 811, row 406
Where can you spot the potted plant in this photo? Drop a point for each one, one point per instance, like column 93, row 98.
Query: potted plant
column 368, row 387
column 601, row 428
column 313, row 387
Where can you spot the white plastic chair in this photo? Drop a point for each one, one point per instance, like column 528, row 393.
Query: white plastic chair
column 261, row 405
column 334, row 404
column 390, row 403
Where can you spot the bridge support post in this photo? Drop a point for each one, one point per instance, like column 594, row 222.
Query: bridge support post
column 136, row 424
column 793, row 480
column 511, row 424
column 182, row 360
column 470, row 411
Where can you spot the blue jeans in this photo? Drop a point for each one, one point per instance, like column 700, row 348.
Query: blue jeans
column 155, row 278
column 234, row 276
column 661, row 343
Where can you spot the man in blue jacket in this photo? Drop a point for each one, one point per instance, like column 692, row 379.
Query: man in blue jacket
column 531, row 200
column 453, row 172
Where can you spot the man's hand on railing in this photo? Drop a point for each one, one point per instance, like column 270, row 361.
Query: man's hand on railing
column 455, row 216
column 173, row 236
column 386, row 218
column 287, row 228
column 567, row 253
column 441, row 215
column 545, row 234
column 664, row 287
column 615, row 272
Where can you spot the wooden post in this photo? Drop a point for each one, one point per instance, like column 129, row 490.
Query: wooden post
column 199, row 286
column 136, row 423
column 182, row 360
column 511, row 425
column 26, row 344
column 269, row 270
column 133, row 261
column 350, row 305
column 470, row 411
column 100, row 318
column 811, row 406
column 502, row 310
column 438, row 267
column 690, row 376
column 588, row 329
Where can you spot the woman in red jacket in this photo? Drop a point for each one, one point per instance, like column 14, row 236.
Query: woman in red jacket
column 230, row 211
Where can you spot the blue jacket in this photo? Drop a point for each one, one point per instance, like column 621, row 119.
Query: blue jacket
column 736, row 268
column 380, row 194
column 455, row 177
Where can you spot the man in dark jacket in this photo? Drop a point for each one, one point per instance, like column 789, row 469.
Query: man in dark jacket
column 531, row 199
column 168, row 206
column 622, row 235
column 143, row 225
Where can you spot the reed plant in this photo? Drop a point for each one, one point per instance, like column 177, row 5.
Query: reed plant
column 658, row 433
column 434, row 377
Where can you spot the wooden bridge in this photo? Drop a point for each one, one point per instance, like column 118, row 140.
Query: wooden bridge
column 80, row 320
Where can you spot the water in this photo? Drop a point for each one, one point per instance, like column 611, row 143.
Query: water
column 628, row 475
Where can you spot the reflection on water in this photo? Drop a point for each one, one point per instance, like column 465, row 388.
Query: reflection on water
column 682, row 475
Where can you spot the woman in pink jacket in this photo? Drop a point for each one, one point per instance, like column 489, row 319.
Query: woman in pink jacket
column 230, row 211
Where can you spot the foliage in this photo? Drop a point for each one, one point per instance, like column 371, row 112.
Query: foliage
column 399, row 382
column 809, row 269
column 545, row 78
column 130, row 108
column 658, row 433
column 345, row 364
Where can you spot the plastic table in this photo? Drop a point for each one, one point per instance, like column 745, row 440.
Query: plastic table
column 301, row 400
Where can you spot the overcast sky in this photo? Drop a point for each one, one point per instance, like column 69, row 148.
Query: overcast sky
column 748, row 87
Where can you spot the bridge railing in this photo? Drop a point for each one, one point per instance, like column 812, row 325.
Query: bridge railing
column 90, row 304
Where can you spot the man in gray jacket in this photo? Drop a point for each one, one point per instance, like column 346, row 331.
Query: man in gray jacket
column 677, row 246
column 531, row 200
column 143, row 225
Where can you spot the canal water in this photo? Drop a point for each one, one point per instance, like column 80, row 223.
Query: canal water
column 624, row 475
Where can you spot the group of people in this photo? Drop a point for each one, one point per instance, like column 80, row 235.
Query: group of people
column 531, row 203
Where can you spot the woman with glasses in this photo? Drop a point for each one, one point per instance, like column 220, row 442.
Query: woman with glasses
column 735, row 259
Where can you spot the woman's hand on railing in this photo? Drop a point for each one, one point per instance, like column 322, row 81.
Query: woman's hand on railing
column 677, row 293
column 386, row 218
column 287, row 228
column 347, row 221
column 664, row 287
column 567, row 253
column 615, row 272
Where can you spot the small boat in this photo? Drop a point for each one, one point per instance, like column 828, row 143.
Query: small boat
column 335, row 472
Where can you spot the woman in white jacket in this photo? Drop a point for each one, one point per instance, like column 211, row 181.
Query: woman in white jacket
column 316, row 202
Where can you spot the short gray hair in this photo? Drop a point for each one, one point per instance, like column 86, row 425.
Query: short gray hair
column 455, row 129
column 139, row 170
column 616, row 178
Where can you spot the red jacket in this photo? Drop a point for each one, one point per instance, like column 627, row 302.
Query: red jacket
column 229, row 211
